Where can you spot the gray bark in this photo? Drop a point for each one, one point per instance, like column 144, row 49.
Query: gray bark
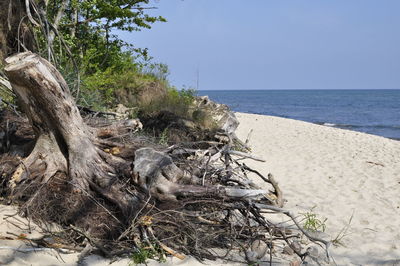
column 64, row 142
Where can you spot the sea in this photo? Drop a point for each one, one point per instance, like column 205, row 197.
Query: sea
column 375, row 112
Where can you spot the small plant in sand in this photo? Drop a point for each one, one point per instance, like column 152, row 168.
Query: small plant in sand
column 312, row 222
column 338, row 240
column 143, row 254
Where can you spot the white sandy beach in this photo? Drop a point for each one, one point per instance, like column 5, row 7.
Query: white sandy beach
column 337, row 172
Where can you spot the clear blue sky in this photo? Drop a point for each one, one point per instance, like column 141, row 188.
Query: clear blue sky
column 277, row 44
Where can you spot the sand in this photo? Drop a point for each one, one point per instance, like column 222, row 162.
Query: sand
column 337, row 173
column 340, row 174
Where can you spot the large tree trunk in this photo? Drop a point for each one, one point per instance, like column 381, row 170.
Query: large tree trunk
column 65, row 145
column 64, row 142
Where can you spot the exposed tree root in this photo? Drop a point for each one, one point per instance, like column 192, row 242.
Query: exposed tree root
column 113, row 192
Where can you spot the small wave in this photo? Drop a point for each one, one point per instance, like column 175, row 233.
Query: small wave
column 395, row 127
column 329, row 124
column 347, row 126
column 336, row 125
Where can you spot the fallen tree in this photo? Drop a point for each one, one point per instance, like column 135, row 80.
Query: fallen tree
column 115, row 192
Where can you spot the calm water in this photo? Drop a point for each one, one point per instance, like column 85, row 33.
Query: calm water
column 371, row 111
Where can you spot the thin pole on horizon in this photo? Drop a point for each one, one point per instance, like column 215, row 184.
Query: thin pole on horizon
column 198, row 78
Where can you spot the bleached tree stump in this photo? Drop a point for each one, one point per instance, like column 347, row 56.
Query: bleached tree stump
column 64, row 143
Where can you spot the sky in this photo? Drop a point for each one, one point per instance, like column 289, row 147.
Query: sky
column 276, row 44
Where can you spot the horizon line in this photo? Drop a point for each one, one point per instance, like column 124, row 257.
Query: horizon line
column 290, row 89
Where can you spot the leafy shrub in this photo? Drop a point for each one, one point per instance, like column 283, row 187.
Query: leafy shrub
column 203, row 117
column 178, row 102
column 130, row 87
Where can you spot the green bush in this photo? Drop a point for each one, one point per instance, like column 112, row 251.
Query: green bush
column 203, row 117
column 178, row 102
column 106, row 89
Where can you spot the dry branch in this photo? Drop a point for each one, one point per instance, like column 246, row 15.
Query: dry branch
column 245, row 155
column 6, row 84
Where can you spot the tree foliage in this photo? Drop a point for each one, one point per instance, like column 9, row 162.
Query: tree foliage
column 89, row 27
column 80, row 38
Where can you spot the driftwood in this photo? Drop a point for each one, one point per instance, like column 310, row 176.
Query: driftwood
column 113, row 192
column 5, row 84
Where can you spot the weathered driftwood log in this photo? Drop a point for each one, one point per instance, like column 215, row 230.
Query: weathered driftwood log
column 64, row 143
column 5, row 83
column 157, row 173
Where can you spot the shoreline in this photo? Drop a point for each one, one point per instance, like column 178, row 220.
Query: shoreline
column 324, row 124
column 370, row 111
